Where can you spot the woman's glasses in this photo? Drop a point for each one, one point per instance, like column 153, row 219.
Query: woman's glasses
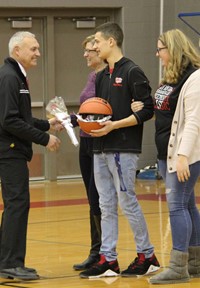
column 89, row 50
column 160, row 48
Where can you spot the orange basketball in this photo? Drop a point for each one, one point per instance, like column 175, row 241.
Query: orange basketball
column 95, row 105
column 93, row 109
column 88, row 126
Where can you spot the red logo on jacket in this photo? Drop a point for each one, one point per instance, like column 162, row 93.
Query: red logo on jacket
column 118, row 81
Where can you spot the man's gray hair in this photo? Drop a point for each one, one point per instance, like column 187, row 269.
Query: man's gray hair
column 17, row 38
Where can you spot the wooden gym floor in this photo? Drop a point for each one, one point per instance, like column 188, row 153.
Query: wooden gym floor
column 58, row 235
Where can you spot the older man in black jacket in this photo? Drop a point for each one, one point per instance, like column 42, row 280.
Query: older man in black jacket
column 18, row 129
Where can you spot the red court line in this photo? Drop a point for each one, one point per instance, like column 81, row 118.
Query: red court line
column 81, row 201
column 69, row 202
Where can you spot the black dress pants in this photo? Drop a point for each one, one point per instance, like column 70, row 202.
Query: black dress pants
column 14, row 175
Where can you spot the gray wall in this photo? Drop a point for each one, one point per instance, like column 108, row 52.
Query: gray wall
column 140, row 21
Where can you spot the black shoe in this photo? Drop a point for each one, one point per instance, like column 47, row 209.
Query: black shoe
column 102, row 269
column 32, row 270
column 91, row 260
column 18, row 273
column 141, row 266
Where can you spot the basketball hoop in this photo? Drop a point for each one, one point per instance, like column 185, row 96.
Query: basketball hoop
column 192, row 14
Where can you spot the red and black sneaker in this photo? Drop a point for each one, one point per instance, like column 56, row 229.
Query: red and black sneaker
column 141, row 266
column 102, row 269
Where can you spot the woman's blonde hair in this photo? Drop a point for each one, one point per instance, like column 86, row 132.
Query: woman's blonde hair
column 182, row 52
column 88, row 39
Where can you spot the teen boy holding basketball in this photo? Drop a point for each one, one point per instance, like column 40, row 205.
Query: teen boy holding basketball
column 116, row 149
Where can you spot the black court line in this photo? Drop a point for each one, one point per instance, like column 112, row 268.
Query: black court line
column 12, row 284
column 16, row 283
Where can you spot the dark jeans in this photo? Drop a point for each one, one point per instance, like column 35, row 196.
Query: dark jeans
column 15, row 192
column 87, row 171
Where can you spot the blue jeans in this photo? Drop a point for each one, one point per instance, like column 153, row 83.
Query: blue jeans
column 115, row 182
column 183, row 212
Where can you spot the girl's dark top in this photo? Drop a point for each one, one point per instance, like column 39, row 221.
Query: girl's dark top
column 165, row 101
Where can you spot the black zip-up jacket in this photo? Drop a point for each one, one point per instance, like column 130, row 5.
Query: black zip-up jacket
column 18, row 129
column 127, row 82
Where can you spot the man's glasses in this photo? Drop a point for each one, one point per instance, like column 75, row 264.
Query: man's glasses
column 89, row 50
column 160, row 48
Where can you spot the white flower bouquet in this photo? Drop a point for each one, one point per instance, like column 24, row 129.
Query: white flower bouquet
column 56, row 107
